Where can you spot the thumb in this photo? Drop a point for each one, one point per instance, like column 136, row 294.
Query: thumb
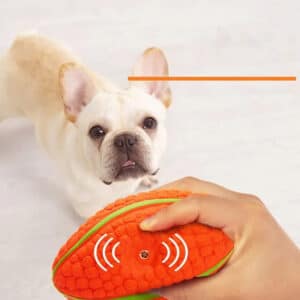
column 209, row 210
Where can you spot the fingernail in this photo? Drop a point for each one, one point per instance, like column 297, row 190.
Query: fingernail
column 147, row 223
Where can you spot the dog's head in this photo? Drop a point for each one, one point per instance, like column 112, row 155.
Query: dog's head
column 121, row 132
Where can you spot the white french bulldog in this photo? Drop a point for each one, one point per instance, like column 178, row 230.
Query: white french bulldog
column 105, row 140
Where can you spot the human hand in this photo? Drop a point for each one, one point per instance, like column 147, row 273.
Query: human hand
column 265, row 263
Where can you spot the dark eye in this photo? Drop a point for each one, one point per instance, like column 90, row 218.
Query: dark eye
column 149, row 123
column 96, row 132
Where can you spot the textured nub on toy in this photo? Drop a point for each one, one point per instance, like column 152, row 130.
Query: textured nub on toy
column 110, row 257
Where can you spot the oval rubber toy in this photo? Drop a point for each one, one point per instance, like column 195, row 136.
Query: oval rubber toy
column 109, row 257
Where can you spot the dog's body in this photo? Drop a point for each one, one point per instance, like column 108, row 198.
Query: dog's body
column 92, row 129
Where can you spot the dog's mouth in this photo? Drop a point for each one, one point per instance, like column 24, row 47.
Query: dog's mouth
column 130, row 169
column 129, row 164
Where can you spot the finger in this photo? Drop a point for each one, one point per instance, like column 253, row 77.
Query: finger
column 196, row 185
column 210, row 210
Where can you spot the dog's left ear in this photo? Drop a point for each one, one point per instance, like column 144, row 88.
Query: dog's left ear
column 76, row 88
column 154, row 63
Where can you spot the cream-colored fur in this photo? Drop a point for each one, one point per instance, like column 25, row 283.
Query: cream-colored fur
column 31, row 86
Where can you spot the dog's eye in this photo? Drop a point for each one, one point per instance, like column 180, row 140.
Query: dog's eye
column 96, row 132
column 149, row 123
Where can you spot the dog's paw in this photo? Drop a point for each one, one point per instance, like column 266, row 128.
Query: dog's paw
column 149, row 181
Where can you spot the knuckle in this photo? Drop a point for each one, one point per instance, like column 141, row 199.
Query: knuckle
column 189, row 179
column 253, row 203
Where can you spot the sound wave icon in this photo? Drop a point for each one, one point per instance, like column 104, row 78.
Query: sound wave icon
column 177, row 252
column 103, row 252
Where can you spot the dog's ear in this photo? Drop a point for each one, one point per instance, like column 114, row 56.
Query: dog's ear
column 153, row 63
column 76, row 89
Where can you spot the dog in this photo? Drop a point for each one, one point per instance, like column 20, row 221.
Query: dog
column 106, row 141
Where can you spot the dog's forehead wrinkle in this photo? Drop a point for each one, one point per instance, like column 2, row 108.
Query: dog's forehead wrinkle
column 104, row 110
column 136, row 104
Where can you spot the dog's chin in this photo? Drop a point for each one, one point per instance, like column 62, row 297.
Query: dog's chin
column 130, row 171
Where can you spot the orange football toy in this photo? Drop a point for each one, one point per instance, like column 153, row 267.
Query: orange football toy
column 109, row 257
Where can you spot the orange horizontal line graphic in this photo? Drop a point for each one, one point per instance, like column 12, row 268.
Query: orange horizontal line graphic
column 212, row 78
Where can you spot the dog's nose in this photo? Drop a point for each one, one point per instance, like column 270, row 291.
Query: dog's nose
column 125, row 141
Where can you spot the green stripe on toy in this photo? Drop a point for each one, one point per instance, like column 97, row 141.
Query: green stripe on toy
column 216, row 267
